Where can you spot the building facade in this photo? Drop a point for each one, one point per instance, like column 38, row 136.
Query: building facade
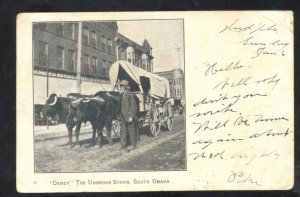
column 176, row 82
column 138, row 55
column 55, row 53
column 56, row 44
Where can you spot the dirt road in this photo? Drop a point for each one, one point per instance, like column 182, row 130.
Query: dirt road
column 164, row 152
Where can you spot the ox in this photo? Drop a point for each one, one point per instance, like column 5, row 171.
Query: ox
column 102, row 109
column 66, row 109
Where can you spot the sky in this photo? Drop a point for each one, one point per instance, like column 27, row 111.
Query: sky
column 164, row 36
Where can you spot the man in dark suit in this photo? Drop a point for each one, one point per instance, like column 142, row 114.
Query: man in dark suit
column 128, row 117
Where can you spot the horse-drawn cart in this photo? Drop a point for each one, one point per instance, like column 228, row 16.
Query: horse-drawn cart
column 153, row 93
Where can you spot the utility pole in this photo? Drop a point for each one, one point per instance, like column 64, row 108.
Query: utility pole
column 79, row 58
column 47, row 75
column 47, row 60
column 178, row 50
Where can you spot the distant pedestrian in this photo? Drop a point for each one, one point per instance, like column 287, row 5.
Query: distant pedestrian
column 180, row 109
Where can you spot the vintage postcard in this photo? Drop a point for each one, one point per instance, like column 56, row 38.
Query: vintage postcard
column 155, row 101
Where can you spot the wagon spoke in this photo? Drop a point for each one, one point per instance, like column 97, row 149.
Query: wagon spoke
column 154, row 122
column 116, row 127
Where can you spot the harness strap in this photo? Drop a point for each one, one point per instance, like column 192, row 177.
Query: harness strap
column 98, row 112
column 69, row 111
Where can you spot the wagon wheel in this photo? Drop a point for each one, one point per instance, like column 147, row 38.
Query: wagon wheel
column 169, row 114
column 140, row 123
column 116, row 127
column 154, row 122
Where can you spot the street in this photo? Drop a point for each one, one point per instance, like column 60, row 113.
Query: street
column 167, row 151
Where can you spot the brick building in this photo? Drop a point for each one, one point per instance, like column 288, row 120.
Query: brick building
column 138, row 55
column 55, row 49
column 176, row 82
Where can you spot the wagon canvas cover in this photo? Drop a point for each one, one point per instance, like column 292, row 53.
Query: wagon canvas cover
column 159, row 86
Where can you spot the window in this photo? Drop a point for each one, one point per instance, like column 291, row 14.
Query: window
column 129, row 57
column 151, row 67
column 86, row 64
column 43, row 53
column 122, row 55
column 105, row 70
column 71, row 60
column 133, row 58
column 94, row 66
column 143, row 64
column 109, row 46
column 103, row 43
column 59, row 29
column 85, row 39
column 94, row 39
column 60, row 57
column 69, row 28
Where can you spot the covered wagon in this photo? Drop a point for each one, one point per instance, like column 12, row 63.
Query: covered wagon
column 152, row 90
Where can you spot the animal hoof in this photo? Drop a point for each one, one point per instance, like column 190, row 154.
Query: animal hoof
column 110, row 147
column 77, row 146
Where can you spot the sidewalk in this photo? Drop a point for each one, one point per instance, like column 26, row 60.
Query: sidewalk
column 57, row 131
column 41, row 133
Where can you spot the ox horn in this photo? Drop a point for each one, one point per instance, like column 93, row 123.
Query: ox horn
column 76, row 101
column 86, row 100
column 55, row 100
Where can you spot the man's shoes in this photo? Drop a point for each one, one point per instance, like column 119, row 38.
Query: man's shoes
column 129, row 148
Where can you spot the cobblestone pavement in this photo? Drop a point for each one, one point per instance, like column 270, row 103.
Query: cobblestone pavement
column 55, row 156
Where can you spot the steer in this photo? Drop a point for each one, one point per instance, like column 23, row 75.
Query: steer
column 102, row 109
column 57, row 107
column 66, row 109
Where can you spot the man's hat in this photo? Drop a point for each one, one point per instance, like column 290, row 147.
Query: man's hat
column 124, row 83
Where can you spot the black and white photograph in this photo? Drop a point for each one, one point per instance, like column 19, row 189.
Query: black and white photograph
column 109, row 96
column 155, row 101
